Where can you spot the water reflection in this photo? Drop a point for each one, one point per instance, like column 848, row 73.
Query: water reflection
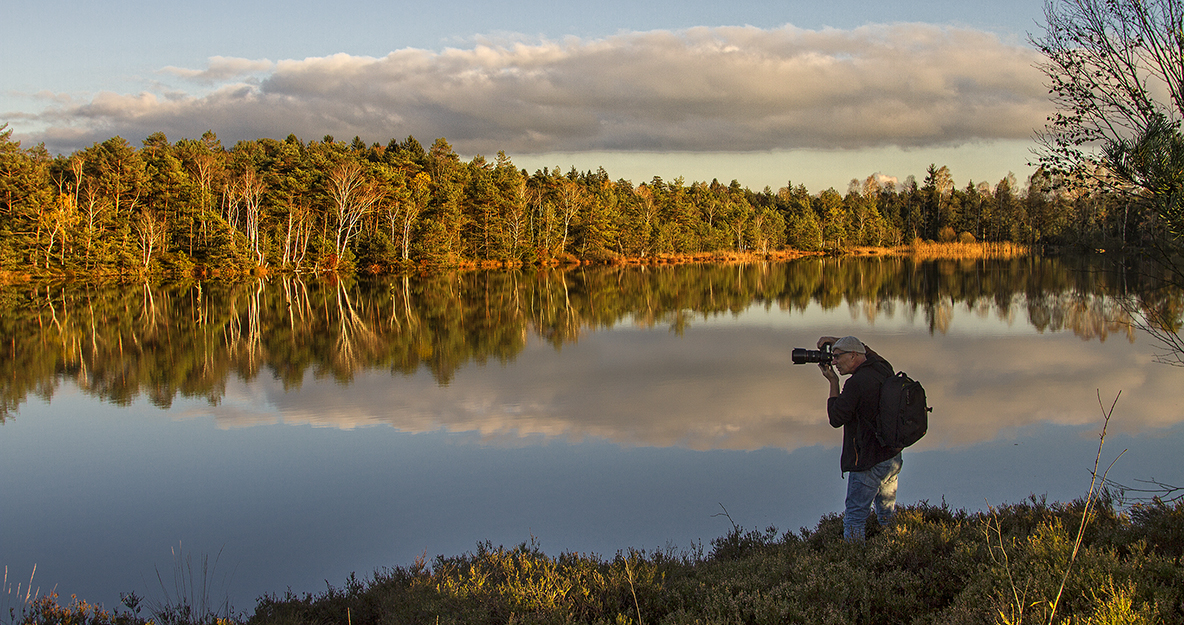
column 566, row 405
column 726, row 384
column 732, row 389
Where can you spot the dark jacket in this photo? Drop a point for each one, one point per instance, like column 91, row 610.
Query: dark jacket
column 855, row 410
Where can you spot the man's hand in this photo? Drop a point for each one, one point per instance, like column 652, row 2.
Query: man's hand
column 826, row 340
column 831, row 376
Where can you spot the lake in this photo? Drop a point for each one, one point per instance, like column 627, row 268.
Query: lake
column 292, row 431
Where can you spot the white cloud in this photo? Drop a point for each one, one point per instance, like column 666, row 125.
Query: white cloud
column 221, row 68
column 702, row 89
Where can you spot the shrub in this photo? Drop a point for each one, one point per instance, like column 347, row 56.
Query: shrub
column 934, row 565
column 46, row 610
column 1161, row 526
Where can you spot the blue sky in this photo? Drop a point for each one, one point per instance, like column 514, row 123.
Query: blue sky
column 762, row 92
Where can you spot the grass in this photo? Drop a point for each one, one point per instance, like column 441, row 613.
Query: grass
column 189, row 603
column 16, row 595
column 191, row 600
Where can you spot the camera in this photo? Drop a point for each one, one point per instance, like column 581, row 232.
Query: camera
column 802, row 356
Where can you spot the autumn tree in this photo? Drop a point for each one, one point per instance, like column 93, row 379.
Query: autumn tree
column 768, row 230
column 251, row 189
column 205, row 162
column 598, row 232
column 510, row 185
column 168, row 186
column 833, row 218
column 936, row 192
column 120, row 180
column 570, row 200
column 353, row 194
column 440, row 231
column 25, row 197
column 641, row 216
column 290, row 178
column 484, row 238
column 1116, row 75
column 151, row 228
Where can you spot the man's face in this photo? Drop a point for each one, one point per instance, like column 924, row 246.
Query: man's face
column 846, row 362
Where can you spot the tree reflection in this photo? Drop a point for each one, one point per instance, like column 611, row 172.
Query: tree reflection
column 118, row 342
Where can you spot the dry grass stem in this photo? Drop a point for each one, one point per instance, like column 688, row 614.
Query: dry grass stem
column 1089, row 499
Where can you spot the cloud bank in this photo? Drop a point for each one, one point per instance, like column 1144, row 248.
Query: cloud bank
column 727, row 89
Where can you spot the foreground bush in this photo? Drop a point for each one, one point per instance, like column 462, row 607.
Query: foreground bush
column 935, row 565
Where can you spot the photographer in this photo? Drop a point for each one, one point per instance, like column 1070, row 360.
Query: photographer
column 871, row 469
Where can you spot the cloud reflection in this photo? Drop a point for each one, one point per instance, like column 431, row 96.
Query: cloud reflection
column 729, row 385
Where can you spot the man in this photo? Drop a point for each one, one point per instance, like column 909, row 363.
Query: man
column 871, row 468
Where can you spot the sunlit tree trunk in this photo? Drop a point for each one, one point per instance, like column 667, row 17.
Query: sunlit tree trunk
column 251, row 189
column 571, row 199
column 353, row 196
column 150, row 230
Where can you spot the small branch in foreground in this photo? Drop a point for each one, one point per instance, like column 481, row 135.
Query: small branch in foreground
column 629, row 572
column 1153, row 491
column 725, row 514
column 1089, row 499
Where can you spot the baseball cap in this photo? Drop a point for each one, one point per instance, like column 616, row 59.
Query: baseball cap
column 849, row 344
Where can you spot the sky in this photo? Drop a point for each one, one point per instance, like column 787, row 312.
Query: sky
column 766, row 93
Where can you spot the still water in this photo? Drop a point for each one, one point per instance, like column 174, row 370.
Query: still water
column 294, row 431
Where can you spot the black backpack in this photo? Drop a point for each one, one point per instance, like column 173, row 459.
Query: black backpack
column 904, row 415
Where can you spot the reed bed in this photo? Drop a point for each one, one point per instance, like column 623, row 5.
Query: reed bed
column 955, row 250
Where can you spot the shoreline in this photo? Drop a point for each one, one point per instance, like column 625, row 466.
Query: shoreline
column 923, row 251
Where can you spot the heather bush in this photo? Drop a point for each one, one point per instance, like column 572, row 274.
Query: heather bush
column 933, row 565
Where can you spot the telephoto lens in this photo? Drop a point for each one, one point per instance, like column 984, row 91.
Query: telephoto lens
column 803, row 356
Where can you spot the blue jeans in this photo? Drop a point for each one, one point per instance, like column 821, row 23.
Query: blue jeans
column 875, row 486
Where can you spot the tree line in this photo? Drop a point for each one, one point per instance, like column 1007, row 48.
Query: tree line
column 328, row 205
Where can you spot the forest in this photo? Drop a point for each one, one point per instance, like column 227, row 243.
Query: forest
column 194, row 207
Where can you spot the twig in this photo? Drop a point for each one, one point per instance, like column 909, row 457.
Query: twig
column 1164, row 492
column 725, row 514
column 636, row 605
column 1157, row 325
column 1089, row 499
column 1015, row 593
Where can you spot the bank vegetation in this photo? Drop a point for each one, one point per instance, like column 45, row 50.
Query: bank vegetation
column 935, row 565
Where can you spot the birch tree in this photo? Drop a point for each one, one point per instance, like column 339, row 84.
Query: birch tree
column 353, row 195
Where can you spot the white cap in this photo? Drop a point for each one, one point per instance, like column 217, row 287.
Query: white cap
column 849, row 344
